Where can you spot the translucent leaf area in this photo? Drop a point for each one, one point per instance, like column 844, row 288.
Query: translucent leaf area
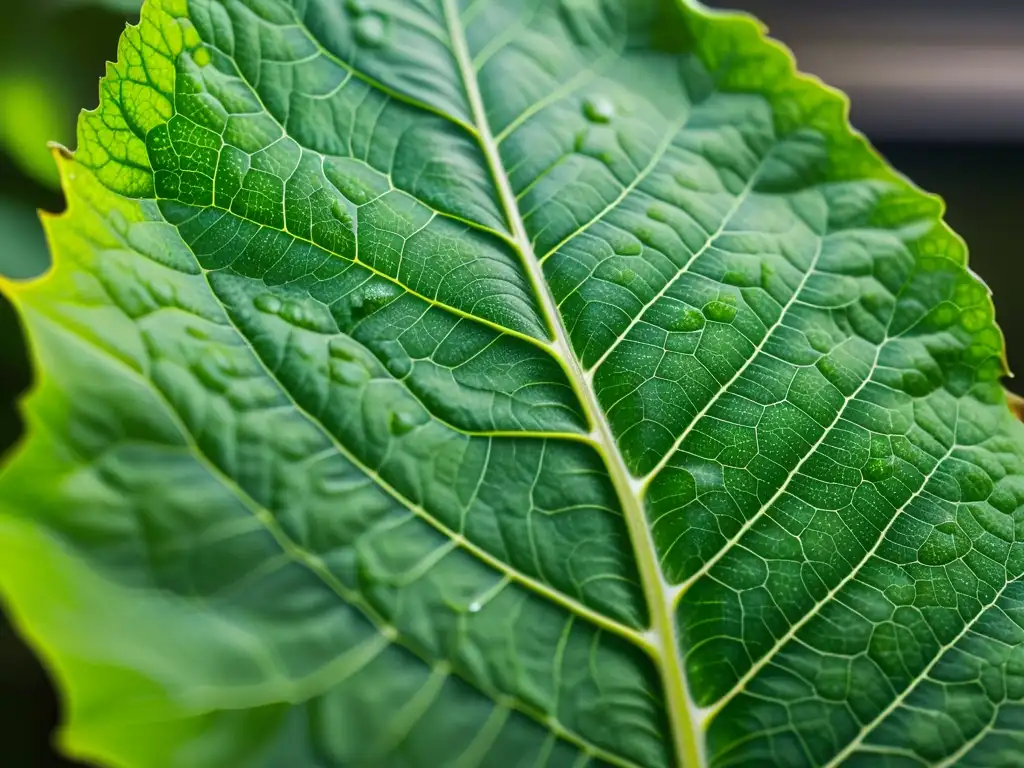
column 498, row 383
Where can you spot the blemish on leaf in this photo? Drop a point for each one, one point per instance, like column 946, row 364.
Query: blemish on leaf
column 268, row 303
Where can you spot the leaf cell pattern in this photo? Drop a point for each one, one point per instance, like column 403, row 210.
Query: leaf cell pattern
column 490, row 383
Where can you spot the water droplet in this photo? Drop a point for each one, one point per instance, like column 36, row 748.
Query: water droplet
column 333, row 485
column 685, row 181
column 348, row 373
column 295, row 314
column 819, row 340
column 340, row 211
column 380, row 293
column 162, row 293
column 214, row 371
column 879, row 469
column 624, row 277
column 474, row 607
column 719, row 311
column 598, row 109
column 402, row 422
column 223, row 362
column 201, row 56
column 370, row 30
column 398, row 366
column 630, row 248
column 268, row 303
column 916, row 384
column 656, row 213
column 828, row 368
column 873, row 301
column 339, row 348
column 735, row 277
column 689, row 320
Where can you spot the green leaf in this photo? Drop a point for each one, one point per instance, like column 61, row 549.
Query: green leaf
column 497, row 383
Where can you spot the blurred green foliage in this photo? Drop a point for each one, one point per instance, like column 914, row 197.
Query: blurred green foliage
column 52, row 54
column 24, row 252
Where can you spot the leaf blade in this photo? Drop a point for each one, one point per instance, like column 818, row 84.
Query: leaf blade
column 497, row 546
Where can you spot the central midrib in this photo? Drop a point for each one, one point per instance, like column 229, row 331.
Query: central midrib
column 658, row 593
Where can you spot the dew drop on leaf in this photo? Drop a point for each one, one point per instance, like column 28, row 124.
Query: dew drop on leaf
column 162, row 293
column 398, row 366
column 630, row 248
column 370, row 30
column 879, row 469
column 401, row 423
column 624, row 277
column 348, row 373
column 268, row 303
column 719, row 311
column 201, row 57
column 340, row 212
column 828, row 368
column 295, row 314
column 598, row 109
column 474, row 607
column 916, row 384
column 735, row 277
column 214, row 371
column 684, row 181
column 656, row 213
column 339, row 349
column 333, row 485
column 819, row 340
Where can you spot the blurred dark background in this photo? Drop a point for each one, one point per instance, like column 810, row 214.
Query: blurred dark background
column 937, row 84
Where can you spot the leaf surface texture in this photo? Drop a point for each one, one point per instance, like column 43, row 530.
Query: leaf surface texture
column 496, row 383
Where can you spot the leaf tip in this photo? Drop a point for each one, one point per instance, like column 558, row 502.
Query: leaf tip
column 60, row 151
